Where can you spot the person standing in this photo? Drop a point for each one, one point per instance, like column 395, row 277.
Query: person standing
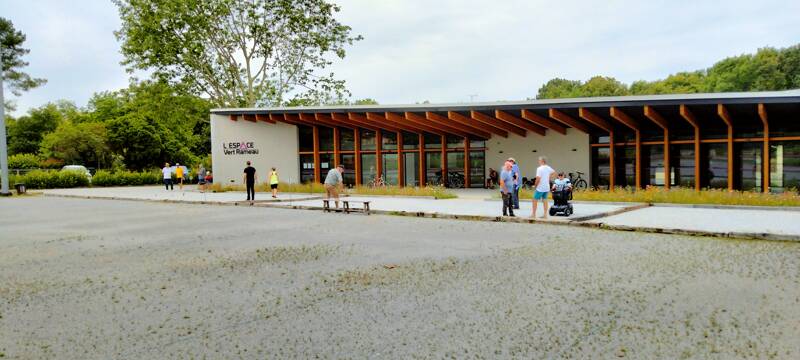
column 273, row 183
column 544, row 175
column 332, row 183
column 167, row 172
column 517, row 181
column 507, row 188
column 201, row 178
column 179, row 174
column 250, row 181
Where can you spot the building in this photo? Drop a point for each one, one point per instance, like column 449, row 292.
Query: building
column 746, row 141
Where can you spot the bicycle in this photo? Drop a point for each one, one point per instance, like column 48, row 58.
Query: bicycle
column 454, row 180
column 578, row 182
column 377, row 182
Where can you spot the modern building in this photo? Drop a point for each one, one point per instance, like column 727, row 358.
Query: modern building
column 747, row 141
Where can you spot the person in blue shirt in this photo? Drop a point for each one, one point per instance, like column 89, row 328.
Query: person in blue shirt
column 517, row 182
column 507, row 189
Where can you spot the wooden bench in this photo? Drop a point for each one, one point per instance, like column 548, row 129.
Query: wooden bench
column 326, row 206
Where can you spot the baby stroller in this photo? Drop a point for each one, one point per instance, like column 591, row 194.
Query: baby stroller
column 561, row 203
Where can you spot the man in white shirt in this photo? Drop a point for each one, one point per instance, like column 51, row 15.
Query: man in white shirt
column 544, row 175
column 167, row 175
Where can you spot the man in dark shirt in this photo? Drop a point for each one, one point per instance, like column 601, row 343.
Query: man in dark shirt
column 250, row 181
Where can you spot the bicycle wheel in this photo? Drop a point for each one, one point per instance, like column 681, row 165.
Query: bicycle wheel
column 581, row 184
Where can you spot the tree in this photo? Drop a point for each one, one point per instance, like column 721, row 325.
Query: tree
column 82, row 143
column 27, row 132
column 137, row 139
column 559, row 88
column 11, row 52
column 239, row 53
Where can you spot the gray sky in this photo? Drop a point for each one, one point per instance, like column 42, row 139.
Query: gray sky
column 444, row 50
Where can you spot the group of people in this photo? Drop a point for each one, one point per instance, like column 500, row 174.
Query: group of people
column 203, row 177
column 250, row 178
column 510, row 181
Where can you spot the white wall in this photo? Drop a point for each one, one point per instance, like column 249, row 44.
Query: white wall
column 276, row 144
column 526, row 150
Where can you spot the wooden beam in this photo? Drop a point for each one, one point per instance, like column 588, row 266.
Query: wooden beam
column 343, row 119
column 762, row 113
column 626, row 120
column 336, row 145
column 357, row 140
column 401, row 174
column 654, row 116
column 249, row 117
column 417, row 127
column 452, row 115
column 421, row 161
column 490, row 120
column 378, row 155
column 444, row 161
column 379, row 120
column 264, row 118
column 513, row 120
column 281, row 118
column 327, row 119
column 294, row 119
column 722, row 111
column 316, row 154
column 361, row 121
column 234, row 117
column 466, row 163
column 568, row 120
column 443, row 129
column 689, row 117
column 595, row 120
column 434, row 117
column 542, row 121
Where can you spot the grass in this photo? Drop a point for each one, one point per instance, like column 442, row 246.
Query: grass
column 684, row 196
column 437, row 192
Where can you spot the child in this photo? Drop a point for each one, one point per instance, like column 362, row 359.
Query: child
column 561, row 183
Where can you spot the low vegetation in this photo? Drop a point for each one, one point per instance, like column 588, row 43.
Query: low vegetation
column 437, row 192
column 42, row 179
column 685, row 196
column 126, row 178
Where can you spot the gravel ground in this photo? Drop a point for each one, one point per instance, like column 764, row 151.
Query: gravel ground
column 83, row 279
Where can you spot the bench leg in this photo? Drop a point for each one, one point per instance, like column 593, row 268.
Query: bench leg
column 346, row 207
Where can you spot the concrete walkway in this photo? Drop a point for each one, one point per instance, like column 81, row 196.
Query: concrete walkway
column 745, row 222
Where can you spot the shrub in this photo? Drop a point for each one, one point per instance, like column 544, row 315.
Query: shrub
column 125, row 178
column 40, row 179
column 24, row 161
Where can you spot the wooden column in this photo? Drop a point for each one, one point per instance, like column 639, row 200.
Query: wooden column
column 630, row 122
column 357, row 139
column 401, row 174
column 722, row 111
column 421, row 160
column 466, row 163
column 444, row 159
column 762, row 113
column 605, row 125
column 651, row 113
column 611, row 164
column 378, row 156
column 689, row 117
column 317, row 170
column 336, row 145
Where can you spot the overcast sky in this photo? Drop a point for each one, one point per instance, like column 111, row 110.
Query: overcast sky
column 444, row 50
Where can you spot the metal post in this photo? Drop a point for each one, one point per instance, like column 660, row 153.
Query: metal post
column 3, row 145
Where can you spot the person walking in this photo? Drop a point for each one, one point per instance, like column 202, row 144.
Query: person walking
column 179, row 175
column 544, row 176
column 332, row 183
column 167, row 172
column 201, row 178
column 250, row 179
column 273, row 183
column 507, row 188
column 517, row 181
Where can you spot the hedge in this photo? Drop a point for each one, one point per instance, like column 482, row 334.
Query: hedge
column 125, row 178
column 40, row 179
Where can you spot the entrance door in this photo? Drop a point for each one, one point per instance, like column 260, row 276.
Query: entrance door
column 411, row 168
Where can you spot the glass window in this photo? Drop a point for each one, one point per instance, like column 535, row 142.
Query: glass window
column 410, row 141
column 455, row 169
column 305, row 137
column 349, row 175
column 476, row 144
column 477, row 170
column 389, row 168
column 306, row 168
column 682, row 163
column 716, row 160
column 388, row 140
column 784, row 120
column 748, row 158
column 368, row 168
column 346, row 139
column 325, row 138
column 433, row 141
column 600, row 139
column 455, row 142
column 433, row 168
column 625, row 163
column 367, row 139
column 600, row 167
column 411, row 168
column 652, row 165
column 325, row 164
column 784, row 166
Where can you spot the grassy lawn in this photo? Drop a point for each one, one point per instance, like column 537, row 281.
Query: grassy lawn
column 437, row 192
column 684, row 196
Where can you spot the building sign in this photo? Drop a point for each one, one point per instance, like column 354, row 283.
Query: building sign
column 239, row 148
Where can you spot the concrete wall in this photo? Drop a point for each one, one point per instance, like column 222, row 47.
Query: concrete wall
column 526, row 150
column 276, row 145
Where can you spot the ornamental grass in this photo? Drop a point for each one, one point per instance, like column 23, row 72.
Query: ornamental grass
column 437, row 192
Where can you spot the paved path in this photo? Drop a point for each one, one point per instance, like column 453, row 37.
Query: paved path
column 189, row 194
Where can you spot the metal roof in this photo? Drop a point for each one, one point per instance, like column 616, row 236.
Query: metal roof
column 785, row 96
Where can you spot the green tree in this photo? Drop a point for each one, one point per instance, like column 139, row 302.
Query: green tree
column 239, row 53
column 365, row 101
column 83, row 143
column 27, row 132
column 559, row 88
column 11, row 53
column 603, row 86
column 790, row 66
column 137, row 139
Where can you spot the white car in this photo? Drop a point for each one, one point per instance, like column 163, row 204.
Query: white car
column 79, row 168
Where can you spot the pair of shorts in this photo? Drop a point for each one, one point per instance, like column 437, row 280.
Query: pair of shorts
column 273, row 186
column 540, row 195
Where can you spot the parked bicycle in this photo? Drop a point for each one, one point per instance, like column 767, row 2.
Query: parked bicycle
column 377, row 182
column 578, row 182
column 453, row 180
